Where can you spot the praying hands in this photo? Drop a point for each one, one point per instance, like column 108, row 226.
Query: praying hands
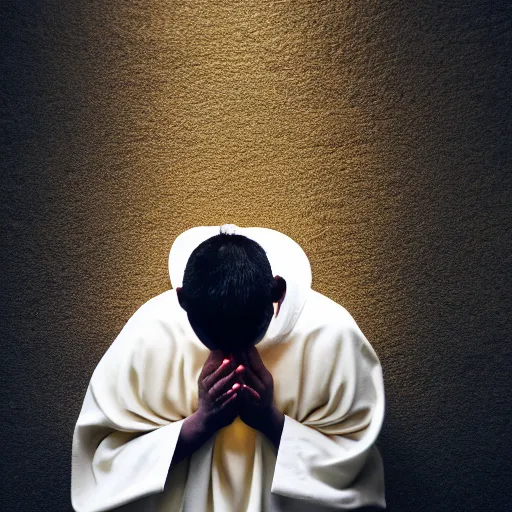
column 241, row 386
column 256, row 405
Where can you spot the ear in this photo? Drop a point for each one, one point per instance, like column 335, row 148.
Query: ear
column 279, row 289
column 181, row 297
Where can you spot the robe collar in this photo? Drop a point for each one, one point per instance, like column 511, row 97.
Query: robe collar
column 287, row 259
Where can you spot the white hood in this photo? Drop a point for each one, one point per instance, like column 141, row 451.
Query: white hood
column 286, row 257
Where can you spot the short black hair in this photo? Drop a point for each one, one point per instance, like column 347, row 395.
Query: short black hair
column 229, row 288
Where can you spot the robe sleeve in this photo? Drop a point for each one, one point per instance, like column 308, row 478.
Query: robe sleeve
column 121, row 449
column 327, row 454
column 112, row 467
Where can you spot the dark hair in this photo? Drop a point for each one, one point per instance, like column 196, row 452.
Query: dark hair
column 229, row 288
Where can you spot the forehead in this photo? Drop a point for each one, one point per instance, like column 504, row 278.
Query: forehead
column 230, row 331
column 235, row 342
column 232, row 340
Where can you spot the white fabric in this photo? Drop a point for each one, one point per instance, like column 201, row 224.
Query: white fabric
column 328, row 382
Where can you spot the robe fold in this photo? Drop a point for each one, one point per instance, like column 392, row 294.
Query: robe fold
column 327, row 382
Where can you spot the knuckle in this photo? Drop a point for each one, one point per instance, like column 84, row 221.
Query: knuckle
column 226, row 379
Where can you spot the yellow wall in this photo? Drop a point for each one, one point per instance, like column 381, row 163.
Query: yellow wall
column 376, row 134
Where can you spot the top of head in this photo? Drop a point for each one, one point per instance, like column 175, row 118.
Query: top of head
column 228, row 291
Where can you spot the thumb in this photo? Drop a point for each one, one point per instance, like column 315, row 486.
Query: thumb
column 231, row 404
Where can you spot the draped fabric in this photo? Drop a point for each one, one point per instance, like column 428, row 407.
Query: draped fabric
column 327, row 381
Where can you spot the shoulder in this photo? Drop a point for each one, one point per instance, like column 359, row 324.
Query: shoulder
column 330, row 326
column 321, row 311
column 158, row 307
column 150, row 327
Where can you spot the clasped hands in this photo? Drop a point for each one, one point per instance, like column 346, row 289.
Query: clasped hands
column 242, row 386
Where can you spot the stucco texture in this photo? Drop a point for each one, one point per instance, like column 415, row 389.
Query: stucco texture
column 375, row 134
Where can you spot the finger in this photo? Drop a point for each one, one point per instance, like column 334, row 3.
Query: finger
column 255, row 360
column 222, row 370
column 240, row 371
column 242, row 358
column 252, row 362
column 250, row 378
column 259, row 367
column 251, row 392
column 212, row 362
column 228, row 393
column 221, row 385
column 230, row 401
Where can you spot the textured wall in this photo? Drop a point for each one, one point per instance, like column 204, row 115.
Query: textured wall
column 376, row 134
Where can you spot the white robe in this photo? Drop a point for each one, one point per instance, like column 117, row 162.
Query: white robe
column 327, row 381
